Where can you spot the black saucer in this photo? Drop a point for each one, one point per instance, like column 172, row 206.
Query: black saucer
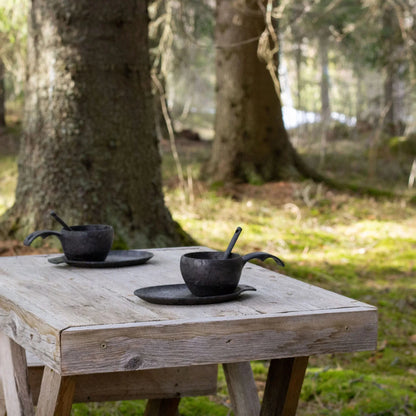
column 115, row 258
column 180, row 295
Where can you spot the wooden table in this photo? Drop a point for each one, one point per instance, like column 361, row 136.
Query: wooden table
column 88, row 323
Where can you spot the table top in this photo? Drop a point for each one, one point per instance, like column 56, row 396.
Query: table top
column 79, row 320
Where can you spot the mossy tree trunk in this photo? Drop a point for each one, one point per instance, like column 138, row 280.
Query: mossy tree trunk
column 251, row 143
column 89, row 149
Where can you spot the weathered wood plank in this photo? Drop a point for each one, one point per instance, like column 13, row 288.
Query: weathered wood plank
column 283, row 386
column 133, row 385
column 13, row 372
column 242, row 389
column 56, row 394
column 40, row 301
column 158, row 345
column 33, row 335
column 2, row 401
column 32, row 286
column 162, row 407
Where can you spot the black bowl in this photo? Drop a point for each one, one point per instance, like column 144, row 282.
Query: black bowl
column 208, row 274
column 81, row 242
column 87, row 242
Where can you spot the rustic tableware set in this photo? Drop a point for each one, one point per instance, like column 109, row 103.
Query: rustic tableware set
column 209, row 276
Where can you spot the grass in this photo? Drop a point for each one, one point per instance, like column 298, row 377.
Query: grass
column 8, row 179
column 358, row 246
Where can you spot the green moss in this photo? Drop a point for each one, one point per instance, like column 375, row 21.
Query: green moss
column 216, row 185
column 403, row 144
column 361, row 394
column 184, row 238
column 125, row 408
column 359, row 246
column 119, row 243
column 202, row 406
column 252, row 176
column 8, row 180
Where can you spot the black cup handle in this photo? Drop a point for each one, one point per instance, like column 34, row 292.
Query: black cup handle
column 262, row 256
column 43, row 233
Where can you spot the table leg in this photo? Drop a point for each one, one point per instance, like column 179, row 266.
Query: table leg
column 162, row 407
column 56, row 394
column 283, row 386
column 2, row 401
column 17, row 397
column 242, row 389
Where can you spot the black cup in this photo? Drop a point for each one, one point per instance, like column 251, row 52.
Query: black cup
column 82, row 242
column 207, row 273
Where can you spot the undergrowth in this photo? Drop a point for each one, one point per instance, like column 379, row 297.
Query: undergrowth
column 359, row 247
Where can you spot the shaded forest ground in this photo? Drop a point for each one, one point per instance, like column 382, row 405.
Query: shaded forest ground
column 359, row 246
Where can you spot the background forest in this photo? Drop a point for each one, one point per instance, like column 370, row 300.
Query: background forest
column 345, row 75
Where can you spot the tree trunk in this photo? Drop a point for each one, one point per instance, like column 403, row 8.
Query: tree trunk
column 89, row 149
column 325, row 103
column 388, row 99
column 299, row 84
column 359, row 107
column 2, row 96
column 394, row 67
column 158, row 9
column 251, row 143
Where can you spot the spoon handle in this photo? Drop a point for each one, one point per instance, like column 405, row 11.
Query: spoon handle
column 60, row 220
column 232, row 243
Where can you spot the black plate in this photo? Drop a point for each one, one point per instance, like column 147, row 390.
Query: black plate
column 180, row 295
column 115, row 258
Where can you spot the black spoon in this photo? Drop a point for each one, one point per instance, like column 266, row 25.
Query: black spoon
column 232, row 243
column 60, row 220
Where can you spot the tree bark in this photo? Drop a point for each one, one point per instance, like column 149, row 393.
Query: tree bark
column 325, row 103
column 2, row 96
column 389, row 121
column 299, row 84
column 157, row 9
column 89, row 149
column 395, row 67
column 251, row 143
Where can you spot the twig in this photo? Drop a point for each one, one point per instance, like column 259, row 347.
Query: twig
column 171, row 133
column 264, row 49
column 412, row 175
column 237, row 44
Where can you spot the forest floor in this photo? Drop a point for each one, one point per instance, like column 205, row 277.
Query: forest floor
column 359, row 246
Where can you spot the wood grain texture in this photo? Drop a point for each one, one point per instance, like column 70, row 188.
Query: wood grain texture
column 2, row 400
column 283, row 386
column 176, row 344
column 89, row 321
column 242, row 389
column 162, row 407
column 56, row 394
column 13, row 374
column 133, row 385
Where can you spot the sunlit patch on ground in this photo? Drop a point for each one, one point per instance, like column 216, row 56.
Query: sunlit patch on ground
column 361, row 247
